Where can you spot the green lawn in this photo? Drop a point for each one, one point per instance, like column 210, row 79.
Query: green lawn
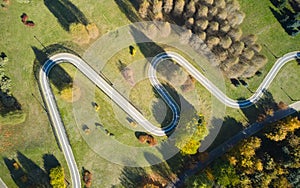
column 34, row 137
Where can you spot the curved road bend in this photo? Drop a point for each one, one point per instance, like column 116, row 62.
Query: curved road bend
column 211, row 87
column 125, row 105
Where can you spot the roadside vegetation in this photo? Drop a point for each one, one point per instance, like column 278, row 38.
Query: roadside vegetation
column 267, row 159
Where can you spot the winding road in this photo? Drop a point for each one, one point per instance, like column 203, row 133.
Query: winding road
column 100, row 82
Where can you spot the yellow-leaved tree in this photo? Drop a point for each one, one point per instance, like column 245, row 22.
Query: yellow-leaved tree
column 57, row 177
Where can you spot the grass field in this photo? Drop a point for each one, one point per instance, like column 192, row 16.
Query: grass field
column 34, row 137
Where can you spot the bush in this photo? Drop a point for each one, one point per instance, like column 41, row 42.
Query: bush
column 92, row 30
column 57, row 177
column 79, row 33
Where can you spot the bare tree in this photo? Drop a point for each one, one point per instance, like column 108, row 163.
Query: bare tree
column 202, row 11
column 167, row 6
column 256, row 47
column 236, row 48
column 190, row 9
column 235, row 34
column 249, row 40
column 225, row 42
column 157, row 9
column 143, row 9
column 201, row 23
column 178, row 7
column 247, row 53
column 189, row 23
column 220, row 3
column 212, row 41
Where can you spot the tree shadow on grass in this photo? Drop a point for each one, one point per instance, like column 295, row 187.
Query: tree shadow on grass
column 66, row 13
column 26, row 173
column 50, row 162
column 230, row 127
column 58, row 76
column 261, row 107
column 129, row 8
column 132, row 176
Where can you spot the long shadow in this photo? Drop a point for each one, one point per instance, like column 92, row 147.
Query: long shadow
column 229, row 128
column 58, row 76
column 17, row 173
column 50, row 162
column 132, row 176
column 129, row 8
column 8, row 104
column 26, row 173
column 265, row 104
column 66, row 13
column 35, row 173
column 161, row 169
column 286, row 17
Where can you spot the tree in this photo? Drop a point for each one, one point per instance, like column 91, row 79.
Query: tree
column 202, row 24
column 225, row 42
column 79, row 33
column 202, row 11
column 57, row 177
column 143, row 9
column 220, row 3
column 178, row 7
column 190, row 9
column 157, row 9
column 168, row 6
column 92, row 30
column 235, row 34
column 189, row 144
column 280, row 129
column 164, row 29
column 225, row 174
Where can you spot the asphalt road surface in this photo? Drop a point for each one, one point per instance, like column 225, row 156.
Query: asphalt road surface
column 126, row 105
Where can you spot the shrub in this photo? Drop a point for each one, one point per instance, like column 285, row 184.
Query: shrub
column 79, row 33
column 92, row 30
